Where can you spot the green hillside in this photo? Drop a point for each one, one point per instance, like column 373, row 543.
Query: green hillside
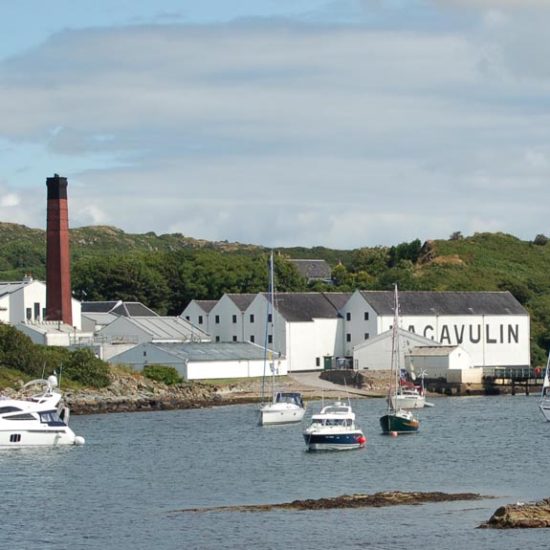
column 166, row 271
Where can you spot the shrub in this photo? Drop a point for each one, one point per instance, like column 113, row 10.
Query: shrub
column 162, row 373
column 84, row 367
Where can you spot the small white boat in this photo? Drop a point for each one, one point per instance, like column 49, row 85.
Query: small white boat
column 39, row 420
column 544, row 403
column 285, row 408
column 334, row 428
column 408, row 398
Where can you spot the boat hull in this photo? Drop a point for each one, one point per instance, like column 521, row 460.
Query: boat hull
column 274, row 413
column 334, row 441
column 544, row 407
column 34, row 437
column 394, row 423
column 408, row 401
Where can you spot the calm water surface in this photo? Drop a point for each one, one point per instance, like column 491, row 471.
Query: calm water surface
column 126, row 487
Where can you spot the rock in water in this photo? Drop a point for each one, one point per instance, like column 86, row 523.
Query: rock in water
column 521, row 516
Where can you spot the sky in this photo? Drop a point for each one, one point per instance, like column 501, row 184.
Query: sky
column 338, row 123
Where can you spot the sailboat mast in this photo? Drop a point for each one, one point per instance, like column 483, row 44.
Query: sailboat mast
column 272, row 317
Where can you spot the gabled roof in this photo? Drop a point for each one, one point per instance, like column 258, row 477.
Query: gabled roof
column 242, row 301
column 338, row 299
column 444, row 303
column 407, row 340
column 434, row 351
column 166, row 328
column 304, row 306
column 313, row 269
column 214, row 351
column 10, row 287
column 118, row 307
column 205, row 305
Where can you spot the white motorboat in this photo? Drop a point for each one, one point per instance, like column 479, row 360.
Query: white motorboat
column 544, row 403
column 40, row 420
column 334, row 428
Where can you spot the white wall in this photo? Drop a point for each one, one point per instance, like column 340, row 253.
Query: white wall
column 357, row 327
column 195, row 313
column 204, row 370
column 489, row 340
column 226, row 330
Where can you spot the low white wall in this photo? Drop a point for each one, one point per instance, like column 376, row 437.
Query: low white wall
column 228, row 369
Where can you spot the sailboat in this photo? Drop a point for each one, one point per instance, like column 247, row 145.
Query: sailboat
column 544, row 404
column 396, row 420
column 284, row 407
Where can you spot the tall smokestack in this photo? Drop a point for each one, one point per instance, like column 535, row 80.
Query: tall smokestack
column 58, row 267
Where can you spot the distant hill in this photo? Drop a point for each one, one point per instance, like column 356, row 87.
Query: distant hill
column 166, row 271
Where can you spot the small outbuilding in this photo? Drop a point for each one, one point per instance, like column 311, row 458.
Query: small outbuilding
column 204, row 360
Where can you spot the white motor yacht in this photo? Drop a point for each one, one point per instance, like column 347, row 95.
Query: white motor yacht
column 334, row 428
column 39, row 420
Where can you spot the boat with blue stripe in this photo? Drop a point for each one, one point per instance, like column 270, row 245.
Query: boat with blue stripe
column 334, row 429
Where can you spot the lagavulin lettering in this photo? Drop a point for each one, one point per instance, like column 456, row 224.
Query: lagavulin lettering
column 457, row 334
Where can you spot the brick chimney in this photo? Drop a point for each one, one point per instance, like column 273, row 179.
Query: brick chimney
column 58, row 264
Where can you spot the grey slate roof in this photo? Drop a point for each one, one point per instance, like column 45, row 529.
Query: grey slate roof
column 436, row 351
column 242, row 301
column 133, row 309
column 313, row 269
column 168, row 328
column 214, row 351
column 304, row 306
column 118, row 307
column 338, row 299
column 206, row 305
column 98, row 307
column 444, row 303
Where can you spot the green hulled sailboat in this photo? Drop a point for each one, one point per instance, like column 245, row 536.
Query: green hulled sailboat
column 396, row 421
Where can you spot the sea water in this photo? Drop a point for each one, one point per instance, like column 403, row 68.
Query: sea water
column 129, row 486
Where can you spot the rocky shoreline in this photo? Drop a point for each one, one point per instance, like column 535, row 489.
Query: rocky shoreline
column 358, row 500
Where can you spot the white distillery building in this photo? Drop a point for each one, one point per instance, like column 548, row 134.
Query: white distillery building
column 306, row 327
column 25, row 301
column 493, row 327
column 54, row 333
column 375, row 353
column 197, row 313
column 228, row 318
column 202, row 361
column 450, row 362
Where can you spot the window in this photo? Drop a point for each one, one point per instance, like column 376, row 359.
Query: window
column 200, row 319
column 187, row 318
column 269, row 317
column 366, row 315
column 252, row 338
column 348, row 316
column 270, row 339
column 29, row 314
column 15, row 438
column 36, row 310
column 234, row 318
column 317, row 361
column 234, row 338
column 144, row 354
column 217, row 338
column 251, row 317
column 348, row 337
column 366, row 335
column 217, row 319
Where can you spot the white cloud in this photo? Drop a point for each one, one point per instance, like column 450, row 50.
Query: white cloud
column 288, row 134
